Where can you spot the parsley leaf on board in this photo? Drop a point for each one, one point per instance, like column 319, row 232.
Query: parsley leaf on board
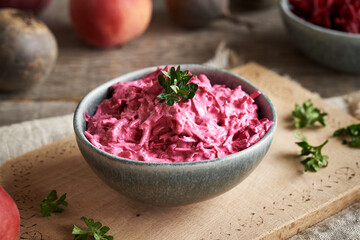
column 176, row 85
column 51, row 204
column 316, row 160
column 95, row 229
column 352, row 131
column 307, row 114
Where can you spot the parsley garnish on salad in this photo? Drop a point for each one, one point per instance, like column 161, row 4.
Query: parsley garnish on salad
column 176, row 85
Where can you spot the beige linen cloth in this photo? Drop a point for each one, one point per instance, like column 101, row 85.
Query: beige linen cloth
column 17, row 139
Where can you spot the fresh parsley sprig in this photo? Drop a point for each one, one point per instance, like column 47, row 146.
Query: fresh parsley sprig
column 307, row 114
column 316, row 160
column 176, row 85
column 94, row 229
column 352, row 131
column 51, row 204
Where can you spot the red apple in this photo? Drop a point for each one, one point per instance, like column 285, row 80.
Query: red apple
column 34, row 6
column 9, row 217
column 110, row 23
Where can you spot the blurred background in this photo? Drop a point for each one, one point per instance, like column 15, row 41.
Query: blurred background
column 260, row 37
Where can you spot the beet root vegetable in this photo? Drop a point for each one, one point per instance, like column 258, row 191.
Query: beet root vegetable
column 28, row 50
column 195, row 14
column 200, row 13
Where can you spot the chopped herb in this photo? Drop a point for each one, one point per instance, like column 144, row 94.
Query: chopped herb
column 307, row 114
column 94, row 229
column 51, row 204
column 352, row 131
column 175, row 85
column 316, row 160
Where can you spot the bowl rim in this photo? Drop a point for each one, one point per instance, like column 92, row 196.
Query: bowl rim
column 285, row 7
column 81, row 137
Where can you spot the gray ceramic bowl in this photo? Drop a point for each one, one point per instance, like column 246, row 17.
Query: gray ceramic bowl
column 171, row 184
column 335, row 49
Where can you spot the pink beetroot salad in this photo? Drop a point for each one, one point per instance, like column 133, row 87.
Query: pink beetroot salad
column 135, row 124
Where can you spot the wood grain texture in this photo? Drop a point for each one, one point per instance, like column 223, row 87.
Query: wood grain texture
column 276, row 201
column 80, row 68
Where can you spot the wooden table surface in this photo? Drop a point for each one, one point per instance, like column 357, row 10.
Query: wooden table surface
column 80, row 68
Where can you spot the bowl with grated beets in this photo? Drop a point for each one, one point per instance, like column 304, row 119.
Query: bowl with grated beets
column 173, row 183
column 327, row 35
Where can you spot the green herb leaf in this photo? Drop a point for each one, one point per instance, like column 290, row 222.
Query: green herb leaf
column 307, row 114
column 51, row 204
column 94, row 229
column 176, row 85
column 350, row 135
column 316, row 160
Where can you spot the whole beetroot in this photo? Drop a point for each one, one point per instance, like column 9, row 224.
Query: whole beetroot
column 194, row 14
column 28, row 50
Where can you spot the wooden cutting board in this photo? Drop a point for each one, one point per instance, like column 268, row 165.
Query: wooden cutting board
column 276, row 201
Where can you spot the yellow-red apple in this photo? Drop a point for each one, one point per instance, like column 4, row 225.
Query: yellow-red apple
column 109, row 23
column 9, row 217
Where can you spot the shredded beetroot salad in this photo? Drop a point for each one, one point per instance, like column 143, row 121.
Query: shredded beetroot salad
column 135, row 124
column 342, row 15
